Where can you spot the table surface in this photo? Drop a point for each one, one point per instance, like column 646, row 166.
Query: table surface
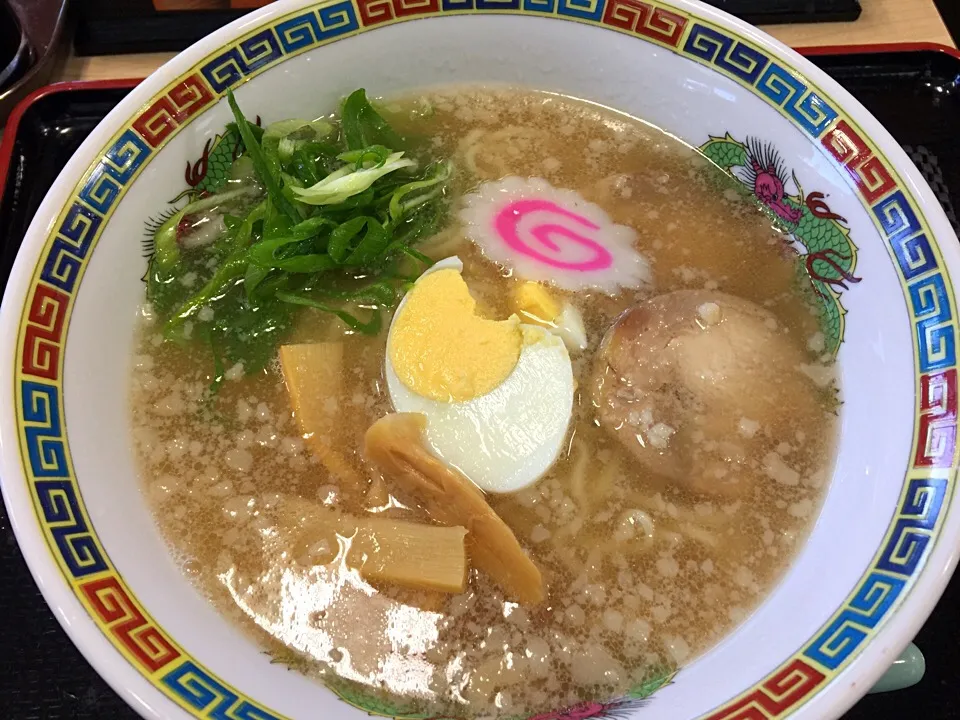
column 882, row 21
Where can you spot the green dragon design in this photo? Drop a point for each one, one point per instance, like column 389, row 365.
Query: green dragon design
column 827, row 256
column 209, row 173
column 372, row 704
column 205, row 176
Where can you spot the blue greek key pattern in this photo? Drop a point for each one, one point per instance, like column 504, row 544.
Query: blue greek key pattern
column 70, row 247
column 548, row 7
column 58, row 500
column 61, row 510
column 914, row 255
column 119, row 164
column 201, row 691
column 726, row 53
column 100, row 190
column 934, row 328
column 807, row 108
column 911, row 534
column 229, row 68
column 42, row 429
column 125, row 156
column 314, row 28
column 842, row 637
column 581, row 9
column 755, row 70
column 902, row 229
column 897, row 218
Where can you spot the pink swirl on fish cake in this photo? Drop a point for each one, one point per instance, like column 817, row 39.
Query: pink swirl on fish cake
column 509, row 219
column 552, row 235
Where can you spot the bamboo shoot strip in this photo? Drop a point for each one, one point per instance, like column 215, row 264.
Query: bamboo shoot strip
column 313, row 375
column 415, row 555
column 395, row 444
column 412, row 554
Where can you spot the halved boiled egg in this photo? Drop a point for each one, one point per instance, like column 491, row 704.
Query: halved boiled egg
column 534, row 302
column 498, row 395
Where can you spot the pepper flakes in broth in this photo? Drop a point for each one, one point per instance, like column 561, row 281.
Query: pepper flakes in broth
column 641, row 574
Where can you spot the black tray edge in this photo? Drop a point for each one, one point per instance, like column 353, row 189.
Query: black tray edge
column 10, row 130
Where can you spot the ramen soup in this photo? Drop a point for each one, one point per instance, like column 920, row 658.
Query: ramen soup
column 481, row 402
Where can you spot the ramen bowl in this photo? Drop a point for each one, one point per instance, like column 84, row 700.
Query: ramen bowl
column 874, row 236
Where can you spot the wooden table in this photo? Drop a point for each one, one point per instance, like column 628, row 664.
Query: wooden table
column 882, row 21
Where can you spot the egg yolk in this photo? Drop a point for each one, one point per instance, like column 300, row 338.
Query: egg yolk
column 535, row 302
column 441, row 349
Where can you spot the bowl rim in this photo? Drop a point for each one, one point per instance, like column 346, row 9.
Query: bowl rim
column 93, row 637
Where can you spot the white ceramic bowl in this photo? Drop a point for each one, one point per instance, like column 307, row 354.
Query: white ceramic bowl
column 883, row 546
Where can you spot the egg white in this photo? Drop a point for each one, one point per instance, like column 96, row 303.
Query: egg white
column 508, row 438
column 569, row 327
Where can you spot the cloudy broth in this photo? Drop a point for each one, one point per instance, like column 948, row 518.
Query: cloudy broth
column 641, row 574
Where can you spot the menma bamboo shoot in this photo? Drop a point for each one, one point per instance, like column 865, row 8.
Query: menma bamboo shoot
column 313, row 375
column 414, row 555
column 395, row 444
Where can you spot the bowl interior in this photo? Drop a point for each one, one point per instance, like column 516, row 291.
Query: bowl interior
column 75, row 497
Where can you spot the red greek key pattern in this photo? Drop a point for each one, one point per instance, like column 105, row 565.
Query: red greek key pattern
column 937, row 436
column 125, row 621
column 647, row 20
column 871, row 176
column 183, row 100
column 776, row 696
column 44, row 331
column 378, row 11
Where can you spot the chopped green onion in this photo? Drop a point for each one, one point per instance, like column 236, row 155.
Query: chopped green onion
column 371, row 327
column 341, row 237
column 244, row 231
column 317, row 215
column 376, row 155
column 441, row 174
column 260, row 165
column 374, row 242
column 283, row 128
column 242, row 169
column 221, row 198
column 166, row 251
column 253, row 277
column 362, row 125
column 344, row 183
column 225, row 276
